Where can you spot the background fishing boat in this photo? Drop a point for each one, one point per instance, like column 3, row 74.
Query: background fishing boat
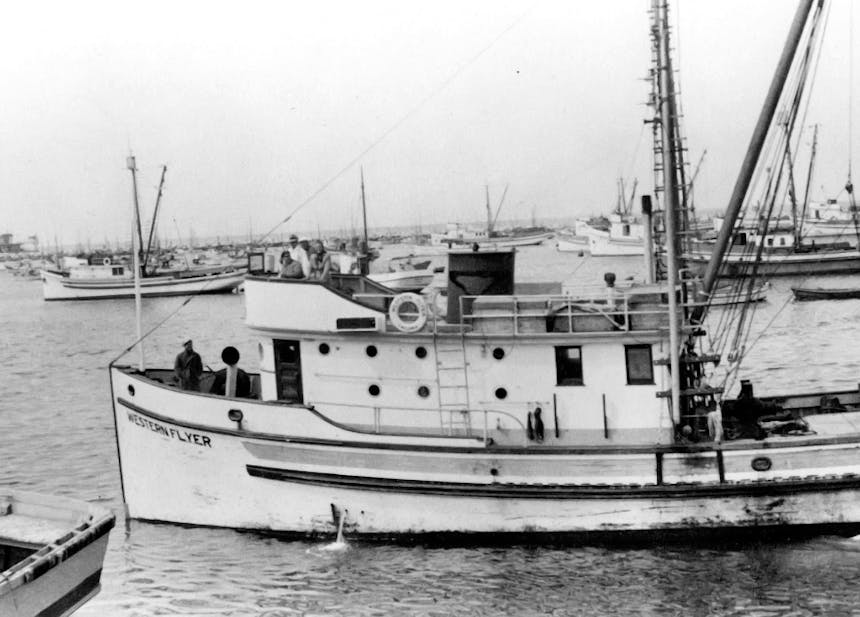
column 822, row 293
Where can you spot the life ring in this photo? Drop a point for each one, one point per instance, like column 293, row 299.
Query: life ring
column 106, row 261
column 419, row 313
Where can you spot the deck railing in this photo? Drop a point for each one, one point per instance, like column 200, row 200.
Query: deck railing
column 452, row 422
column 548, row 314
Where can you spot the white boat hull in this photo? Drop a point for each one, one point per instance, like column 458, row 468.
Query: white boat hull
column 65, row 571
column 291, row 469
column 606, row 246
column 404, row 280
column 58, row 287
column 572, row 244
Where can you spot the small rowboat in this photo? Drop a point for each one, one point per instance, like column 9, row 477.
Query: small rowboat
column 51, row 553
column 818, row 293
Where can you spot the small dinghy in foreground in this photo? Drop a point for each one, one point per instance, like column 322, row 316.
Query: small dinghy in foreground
column 51, row 553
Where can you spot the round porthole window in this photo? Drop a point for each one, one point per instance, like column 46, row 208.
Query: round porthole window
column 498, row 353
column 371, row 351
column 761, row 463
column 501, row 393
column 373, row 390
column 131, row 390
column 423, row 391
column 421, row 352
column 324, row 348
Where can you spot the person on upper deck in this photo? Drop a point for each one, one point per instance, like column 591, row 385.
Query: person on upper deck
column 320, row 263
column 290, row 268
column 188, row 367
column 300, row 253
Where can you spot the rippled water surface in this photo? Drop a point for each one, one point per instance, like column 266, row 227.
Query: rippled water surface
column 57, row 437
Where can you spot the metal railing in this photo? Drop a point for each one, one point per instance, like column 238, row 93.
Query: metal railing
column 376, row 412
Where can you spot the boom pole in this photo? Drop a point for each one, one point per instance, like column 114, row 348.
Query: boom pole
column 754, row 149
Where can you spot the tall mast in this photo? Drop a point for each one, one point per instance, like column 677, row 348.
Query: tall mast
column 671, row 202
column 135, row 256
column 489, row 211
column 754, row 150
column 364, row 210
column 154, row 217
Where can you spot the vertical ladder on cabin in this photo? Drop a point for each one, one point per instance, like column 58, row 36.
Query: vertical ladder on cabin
column 452, row 382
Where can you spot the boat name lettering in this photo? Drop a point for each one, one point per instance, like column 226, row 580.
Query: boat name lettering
column 172, row 433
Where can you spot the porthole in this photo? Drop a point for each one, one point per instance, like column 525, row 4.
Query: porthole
column 131, row 390
column 373, row 390
column 501, row 393
column 421, row 352
column 324, row 348
column 761, row 463
column 423, row 391
column 498, row 353
column 371, row 351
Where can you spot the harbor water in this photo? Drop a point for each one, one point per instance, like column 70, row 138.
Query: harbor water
column 57, row 437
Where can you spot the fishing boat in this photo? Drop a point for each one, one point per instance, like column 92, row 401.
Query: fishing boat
column 489, row 238
column 51, row 553
column 495, row 412
column 566, row 243
column 109, row 280
column 406, row 274
column 821, row 293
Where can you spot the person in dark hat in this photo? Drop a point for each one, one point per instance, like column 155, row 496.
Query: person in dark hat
column 188, row 367
column 231, row 381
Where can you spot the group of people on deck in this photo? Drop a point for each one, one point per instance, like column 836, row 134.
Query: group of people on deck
column 305, row 260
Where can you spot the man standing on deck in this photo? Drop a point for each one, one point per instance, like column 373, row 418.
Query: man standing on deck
column 300, row 254
column 188, row 367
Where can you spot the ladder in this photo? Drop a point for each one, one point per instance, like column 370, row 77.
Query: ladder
column 452, row 383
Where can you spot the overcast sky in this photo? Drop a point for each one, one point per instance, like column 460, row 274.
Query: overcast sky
column 256, row 106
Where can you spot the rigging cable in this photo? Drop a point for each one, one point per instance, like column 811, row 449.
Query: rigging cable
column 402, row 120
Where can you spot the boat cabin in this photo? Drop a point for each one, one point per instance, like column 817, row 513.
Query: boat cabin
column 478, row 358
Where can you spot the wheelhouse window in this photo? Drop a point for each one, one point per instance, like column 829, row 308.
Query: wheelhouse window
column 640, row 366
column 568, row 366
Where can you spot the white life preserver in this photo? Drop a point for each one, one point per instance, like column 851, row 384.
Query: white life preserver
column 404, row 300
column 106, row 261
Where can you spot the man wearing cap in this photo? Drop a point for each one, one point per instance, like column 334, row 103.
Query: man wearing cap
column 188, row 367
column 299, row 252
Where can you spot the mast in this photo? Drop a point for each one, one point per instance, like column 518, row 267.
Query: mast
column 364, row 211
column 154, row 217
column 670, row 186
column 135, row 252
column 489, row 212
column 754, row 149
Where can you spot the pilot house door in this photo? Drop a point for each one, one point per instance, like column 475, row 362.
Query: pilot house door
column 288, row 371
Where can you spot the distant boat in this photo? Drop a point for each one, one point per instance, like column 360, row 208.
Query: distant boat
column 818, row 293
column 571, row 244
column 406, row 276
column 109, row 281
column 51, row 551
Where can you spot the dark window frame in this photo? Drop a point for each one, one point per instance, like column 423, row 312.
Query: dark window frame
column 639, row 381
column 561, row 360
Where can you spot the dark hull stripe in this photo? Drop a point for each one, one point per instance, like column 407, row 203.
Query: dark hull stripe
column 89, row 585
column 697, row 536
column 148, row 294
column 465, row 449
column 771, row 488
